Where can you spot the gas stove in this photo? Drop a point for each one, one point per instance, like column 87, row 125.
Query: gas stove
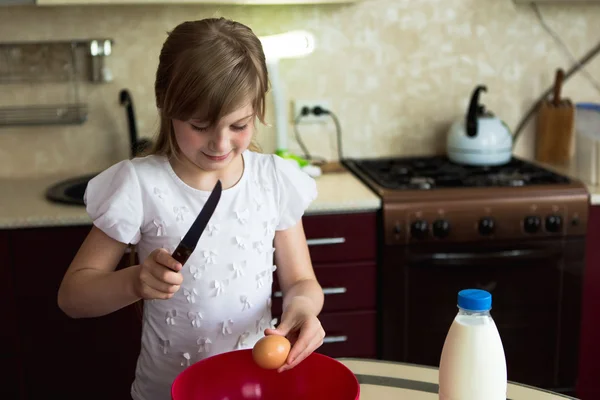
column 516, row 230
column 435, row 172
column 430, row 198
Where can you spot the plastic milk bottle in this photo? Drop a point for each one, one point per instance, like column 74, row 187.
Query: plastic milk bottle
column 473, row 365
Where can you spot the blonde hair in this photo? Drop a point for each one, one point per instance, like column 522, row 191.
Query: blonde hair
column 208, row 69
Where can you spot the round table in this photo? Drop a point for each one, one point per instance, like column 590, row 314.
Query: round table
column 386, row 380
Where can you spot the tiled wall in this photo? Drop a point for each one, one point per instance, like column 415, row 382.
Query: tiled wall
column 396, row 72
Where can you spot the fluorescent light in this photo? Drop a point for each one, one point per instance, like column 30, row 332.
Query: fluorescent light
column 291, row 44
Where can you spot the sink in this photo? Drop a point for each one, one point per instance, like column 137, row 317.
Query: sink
column 69, row 191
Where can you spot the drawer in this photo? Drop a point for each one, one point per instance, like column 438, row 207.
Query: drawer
column 341, row 237
column 347, row 287
column 348, row 334
column 351, row 334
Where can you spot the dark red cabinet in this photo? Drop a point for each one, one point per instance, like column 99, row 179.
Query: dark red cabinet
column 9, row 338
column 63, row 357
column 47, row 354
column 343, row 249
column 588, row 385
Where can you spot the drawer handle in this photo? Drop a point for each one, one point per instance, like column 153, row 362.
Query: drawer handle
column 326, row 291
column 324, row 241
column 334, row 290
column 335, row 339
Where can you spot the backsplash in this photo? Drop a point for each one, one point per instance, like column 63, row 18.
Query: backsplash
column 396, row 72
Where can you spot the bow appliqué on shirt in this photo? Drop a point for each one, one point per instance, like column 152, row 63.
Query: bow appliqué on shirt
column 196, row 318
column 204, row 345
column 246, row 305
column 238, row 269
column 190, row 295
column 170, row 317
column 243, row 215
column 179, row 213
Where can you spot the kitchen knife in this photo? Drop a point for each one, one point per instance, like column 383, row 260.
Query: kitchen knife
column 191, row 238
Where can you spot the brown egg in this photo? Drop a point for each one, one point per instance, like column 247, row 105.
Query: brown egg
column 271, row 351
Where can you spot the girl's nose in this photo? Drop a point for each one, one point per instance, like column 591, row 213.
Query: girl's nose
column 220, row 141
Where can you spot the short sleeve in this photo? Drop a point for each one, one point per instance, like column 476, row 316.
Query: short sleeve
column 114, row 203
column 296, row 191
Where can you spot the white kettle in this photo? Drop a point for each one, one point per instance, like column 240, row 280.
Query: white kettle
column 480, row 138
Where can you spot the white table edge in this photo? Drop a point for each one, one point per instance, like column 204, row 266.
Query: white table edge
column 427, row 367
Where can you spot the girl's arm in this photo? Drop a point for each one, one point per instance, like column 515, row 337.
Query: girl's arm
column 302, row 295
column 294, row 270
column 91, row 287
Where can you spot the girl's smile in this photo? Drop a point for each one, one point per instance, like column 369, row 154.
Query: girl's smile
column 217, row 158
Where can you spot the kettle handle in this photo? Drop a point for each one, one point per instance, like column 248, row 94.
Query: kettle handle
column 474, row 110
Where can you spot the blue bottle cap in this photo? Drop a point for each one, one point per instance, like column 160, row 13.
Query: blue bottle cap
column 475, row 300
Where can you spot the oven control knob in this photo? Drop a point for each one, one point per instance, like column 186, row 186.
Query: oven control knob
column 441, row 228
column 419, row 229
column 553, row 223
column 532, row 224
column 486, row 226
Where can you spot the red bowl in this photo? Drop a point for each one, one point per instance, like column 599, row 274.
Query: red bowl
column 235, row 376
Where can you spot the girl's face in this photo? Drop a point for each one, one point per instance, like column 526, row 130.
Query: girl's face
column 214, row 147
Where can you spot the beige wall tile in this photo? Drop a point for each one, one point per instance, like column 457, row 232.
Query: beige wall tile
column 396, row 72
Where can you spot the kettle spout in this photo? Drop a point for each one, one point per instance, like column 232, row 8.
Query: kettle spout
column 474, row 111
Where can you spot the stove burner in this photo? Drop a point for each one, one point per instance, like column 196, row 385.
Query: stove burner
column 422, row 183
column 426, row 173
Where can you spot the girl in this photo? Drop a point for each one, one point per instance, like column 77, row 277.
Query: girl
column 210, row 87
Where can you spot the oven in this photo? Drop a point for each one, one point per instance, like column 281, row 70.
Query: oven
column 536, row 291
column 517, row 231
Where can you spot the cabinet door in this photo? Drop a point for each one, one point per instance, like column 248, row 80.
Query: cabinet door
column 341, row 237
column 349, row 334
column 346, row 287
column 588, row 382
column 9, row 350
column 92, row 358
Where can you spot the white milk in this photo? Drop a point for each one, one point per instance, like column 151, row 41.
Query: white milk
column 473, row 365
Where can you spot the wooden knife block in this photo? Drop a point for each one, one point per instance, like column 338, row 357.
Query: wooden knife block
column 555, row 138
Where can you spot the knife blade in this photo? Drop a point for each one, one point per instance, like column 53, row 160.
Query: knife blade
column 191, row 238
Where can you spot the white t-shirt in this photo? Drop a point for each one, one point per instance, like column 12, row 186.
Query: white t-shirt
column 224, row 302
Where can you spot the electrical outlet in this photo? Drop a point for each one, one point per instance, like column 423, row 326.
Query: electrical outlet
column 310, row 119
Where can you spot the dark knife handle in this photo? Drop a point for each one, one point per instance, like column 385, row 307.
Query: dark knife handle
column 182, row 253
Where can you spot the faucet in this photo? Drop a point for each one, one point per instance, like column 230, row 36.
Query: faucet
column 136, row 146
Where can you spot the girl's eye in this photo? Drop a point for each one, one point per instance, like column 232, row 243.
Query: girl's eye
column 239, row 128
column 199, row 128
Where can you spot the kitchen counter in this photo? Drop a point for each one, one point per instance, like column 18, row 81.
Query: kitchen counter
column 571, row 171
column 594, row 194
column 23, row 203
column 384, row 380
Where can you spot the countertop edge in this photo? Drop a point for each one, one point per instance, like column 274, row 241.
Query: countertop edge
column 35, row 211
column 569, row 171
column 51, row 222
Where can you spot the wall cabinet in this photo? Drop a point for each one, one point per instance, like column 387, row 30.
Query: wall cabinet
column 47, row 354
column 220, row 2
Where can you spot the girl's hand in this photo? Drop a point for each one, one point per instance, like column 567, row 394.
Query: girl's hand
column 302, row 328
column 159, row 276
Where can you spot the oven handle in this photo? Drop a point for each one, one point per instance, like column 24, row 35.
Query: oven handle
column 452, row 258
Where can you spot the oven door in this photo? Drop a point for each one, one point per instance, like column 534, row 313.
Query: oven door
column 536, row 301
